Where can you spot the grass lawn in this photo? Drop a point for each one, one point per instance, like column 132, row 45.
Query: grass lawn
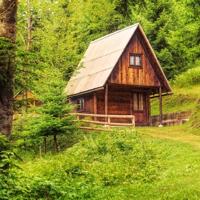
column 177, row 153
column 180, row 157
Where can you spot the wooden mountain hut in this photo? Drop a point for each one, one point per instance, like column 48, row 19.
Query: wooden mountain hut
column 118, row 75
column 25, row 99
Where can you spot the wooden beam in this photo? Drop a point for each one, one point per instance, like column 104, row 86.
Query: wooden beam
column 131, row 102
column 106, row 99
column 149, row 107
column 102, row 115
column 157, row 95
column 95, row 104
column 160, row 105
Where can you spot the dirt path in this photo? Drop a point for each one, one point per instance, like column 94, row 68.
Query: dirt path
column 177, row 133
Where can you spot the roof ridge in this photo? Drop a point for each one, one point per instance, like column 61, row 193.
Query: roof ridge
column 110, row 34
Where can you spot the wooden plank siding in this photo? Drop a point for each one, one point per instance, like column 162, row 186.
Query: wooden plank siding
column 137, row 76
column 119, row 103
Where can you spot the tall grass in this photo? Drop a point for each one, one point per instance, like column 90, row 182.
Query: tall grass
column 188, row 78
column 85, row 171
column 195, row 118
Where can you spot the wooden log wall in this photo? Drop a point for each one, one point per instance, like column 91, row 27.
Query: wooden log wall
column 119, row 103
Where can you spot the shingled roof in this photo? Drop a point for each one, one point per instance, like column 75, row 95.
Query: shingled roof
column 100, row 59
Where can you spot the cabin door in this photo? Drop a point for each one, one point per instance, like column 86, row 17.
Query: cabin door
column 140, row 108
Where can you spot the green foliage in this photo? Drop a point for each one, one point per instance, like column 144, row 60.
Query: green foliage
column 8, row 166
column 52, row 118
column 98, row 163
column 7, row 156
column 189, row 78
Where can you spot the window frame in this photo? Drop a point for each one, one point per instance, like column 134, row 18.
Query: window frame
column 135, row 55
column 80, row 104
column 137, row 96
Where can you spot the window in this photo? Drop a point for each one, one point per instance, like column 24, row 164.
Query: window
column 138, row 102
column 135, row 60
column 80, row 103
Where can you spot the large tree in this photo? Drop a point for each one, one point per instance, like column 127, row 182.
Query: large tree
column 8, row 9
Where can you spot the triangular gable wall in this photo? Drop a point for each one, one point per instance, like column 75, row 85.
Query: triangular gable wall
column 149, row 75
column 136, row 76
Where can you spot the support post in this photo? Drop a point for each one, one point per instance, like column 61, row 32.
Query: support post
column 133, row 120
column 160, row 105
column 106, row 101
column 95, row 105
column 148, row 104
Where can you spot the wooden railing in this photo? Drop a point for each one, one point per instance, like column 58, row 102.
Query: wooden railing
column 107, row 119
column 171, row 118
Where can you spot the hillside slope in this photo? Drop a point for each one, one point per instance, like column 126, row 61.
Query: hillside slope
column 186, row 93
column 121, row 165
column 93, row 169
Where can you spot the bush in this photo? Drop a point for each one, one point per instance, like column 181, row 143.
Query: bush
column 91, row 168
column 188, row 78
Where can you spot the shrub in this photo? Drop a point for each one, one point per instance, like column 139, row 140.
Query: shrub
column 190, row 77
column 7, row 168
column 88, row 169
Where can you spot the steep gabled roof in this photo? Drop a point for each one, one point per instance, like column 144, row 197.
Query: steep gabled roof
column 100, row 59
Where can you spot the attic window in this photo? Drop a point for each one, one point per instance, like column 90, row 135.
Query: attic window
column 135, row 60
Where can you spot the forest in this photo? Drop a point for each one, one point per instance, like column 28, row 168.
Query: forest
column 43, row 152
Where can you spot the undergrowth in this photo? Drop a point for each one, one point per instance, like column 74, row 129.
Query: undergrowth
column 86, row 170
column 188, row 78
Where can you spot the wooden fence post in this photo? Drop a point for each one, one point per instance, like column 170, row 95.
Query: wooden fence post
column 108, row 120
column 160, row 105
column 133, row 120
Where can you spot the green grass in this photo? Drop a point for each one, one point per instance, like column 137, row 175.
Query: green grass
column 152, row 163
column 94, row 168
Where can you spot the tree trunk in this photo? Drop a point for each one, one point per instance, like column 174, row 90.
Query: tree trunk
column 8, row 10
column 55, row 143
column 45, row 144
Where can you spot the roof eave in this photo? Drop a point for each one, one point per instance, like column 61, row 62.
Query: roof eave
column 85, row 92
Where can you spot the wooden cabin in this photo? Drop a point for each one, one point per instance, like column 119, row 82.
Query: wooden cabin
column 25, row 99
column 118, row 75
